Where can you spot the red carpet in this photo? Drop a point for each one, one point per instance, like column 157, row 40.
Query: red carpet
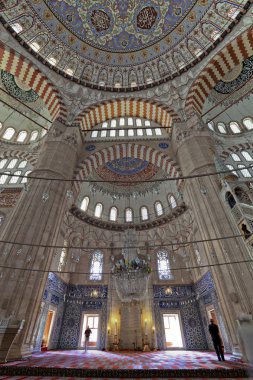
column 118, row 361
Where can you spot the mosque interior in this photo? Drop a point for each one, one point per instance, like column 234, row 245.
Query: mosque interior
column 126, row 165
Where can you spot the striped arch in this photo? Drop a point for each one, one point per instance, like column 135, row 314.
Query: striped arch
column 160, row 159
column 126, row 107
column 235, row 149
column 31, row 158
column 234, row 53
column 26, row 71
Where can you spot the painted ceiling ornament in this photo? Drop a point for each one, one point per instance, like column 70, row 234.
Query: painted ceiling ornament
column 146, row 18
column 100, row 20
column 10, row 84
column 120, row 26
column 121, row 36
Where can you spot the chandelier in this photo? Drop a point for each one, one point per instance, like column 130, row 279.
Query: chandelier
column 130, row 273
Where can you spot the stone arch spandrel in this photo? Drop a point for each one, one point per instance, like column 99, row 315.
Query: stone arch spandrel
column 26, row 71
column 234, row 53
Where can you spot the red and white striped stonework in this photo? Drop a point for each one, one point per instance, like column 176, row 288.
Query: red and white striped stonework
column 120, row 151
column 126, row 107
column 31, row 158
column 27, row 72
column 233, row 54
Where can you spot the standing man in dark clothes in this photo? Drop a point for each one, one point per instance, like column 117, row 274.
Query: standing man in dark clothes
column 215, row 334
column 87, row 337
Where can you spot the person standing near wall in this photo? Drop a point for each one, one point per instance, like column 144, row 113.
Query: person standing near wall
column 217, row 342
column 87, row 333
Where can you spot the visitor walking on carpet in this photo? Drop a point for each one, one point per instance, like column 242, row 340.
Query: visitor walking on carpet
column 87, row 333
column 217, row 342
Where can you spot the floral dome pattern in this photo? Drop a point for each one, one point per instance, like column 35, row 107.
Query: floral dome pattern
column 120, row 45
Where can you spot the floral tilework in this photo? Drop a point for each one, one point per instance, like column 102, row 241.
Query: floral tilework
column 180, row 298
column 79, row 299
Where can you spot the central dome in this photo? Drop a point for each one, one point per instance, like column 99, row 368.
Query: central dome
column 120, row 45
column 122, row 26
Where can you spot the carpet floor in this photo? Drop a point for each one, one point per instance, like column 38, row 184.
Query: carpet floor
column 102, row 365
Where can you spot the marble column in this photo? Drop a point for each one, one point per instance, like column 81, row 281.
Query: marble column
column 194, row 147
column 34, row 227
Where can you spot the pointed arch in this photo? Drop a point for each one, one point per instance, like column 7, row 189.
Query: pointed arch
column 26, row 71
column 126, row 107
column 234, row 53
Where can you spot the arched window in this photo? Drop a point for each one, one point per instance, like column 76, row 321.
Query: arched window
column 96, row 266
column 230, row 167
column 221, row 128
column 3, row 178
column 144, row 213
column 129, row 214
column 235, row 127
column 17, row 27
column 172, row 201
column 163, row 264
column 246, row 155
column 230, row 199
column 12, row 163
column 244, row 171
column 34, row 135
column 248, row 123
column 85, row 203
column 235, row 157
column 43, row 133
column 138, row 123
column 2, row 163
column 22, row 164
column 15, row 179
column 210, row 125
column 113, row 214
column 63, row 256
column 24, row 180
column 22, row 136
column 9, row 133
column 158, row 208
column 98, row 210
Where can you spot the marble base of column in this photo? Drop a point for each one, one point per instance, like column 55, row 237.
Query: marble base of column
column 9, row 330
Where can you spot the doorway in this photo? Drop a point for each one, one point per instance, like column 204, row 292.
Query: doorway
column 48, row 328
column 172, row 328
column 91, row 320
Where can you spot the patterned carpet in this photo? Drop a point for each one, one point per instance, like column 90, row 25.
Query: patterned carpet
column 101, row 365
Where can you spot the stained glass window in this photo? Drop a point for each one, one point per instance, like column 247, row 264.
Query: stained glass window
column 144, row 213
column 96, row 266
column 129, row 214
column 158, row 208
column 98, row 210
column 113, row 214
column 164, row 271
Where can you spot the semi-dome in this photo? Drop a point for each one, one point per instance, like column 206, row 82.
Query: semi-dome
column 122, row 44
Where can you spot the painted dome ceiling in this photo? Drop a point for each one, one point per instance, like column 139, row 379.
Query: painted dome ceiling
column 121, row 44
column 126, row 176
